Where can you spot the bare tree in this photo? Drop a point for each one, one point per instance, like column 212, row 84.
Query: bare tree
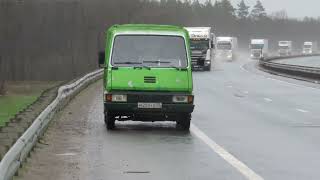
column 57, row 40
column 2, row 78
column 279, row 15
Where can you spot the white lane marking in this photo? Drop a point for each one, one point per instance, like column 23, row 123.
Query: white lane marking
column 246, row 92
column 302, row 110
column 242, row 67
column 229, row 86
column 268, row 99
column 66, row 154
column 233, row 161
column 293, row 84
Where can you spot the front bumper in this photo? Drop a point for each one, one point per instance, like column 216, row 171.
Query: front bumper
column 135, row 97
column 256, row 57
column 223, row 56
column 132, row 108
column 198, row 63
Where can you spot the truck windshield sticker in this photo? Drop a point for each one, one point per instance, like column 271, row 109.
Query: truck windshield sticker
column 199, row 36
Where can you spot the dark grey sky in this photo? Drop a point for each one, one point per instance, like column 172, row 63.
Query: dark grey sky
column 295, row 8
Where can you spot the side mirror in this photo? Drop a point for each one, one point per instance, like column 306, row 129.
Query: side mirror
column 212, row 45
column 101, row 61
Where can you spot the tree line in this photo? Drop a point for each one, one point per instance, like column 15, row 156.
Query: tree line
column 59, row 39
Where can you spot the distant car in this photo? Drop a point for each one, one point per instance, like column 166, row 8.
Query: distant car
column 147, row 75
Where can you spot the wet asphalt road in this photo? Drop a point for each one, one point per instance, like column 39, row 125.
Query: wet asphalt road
column 310, row 61
column 269, row 125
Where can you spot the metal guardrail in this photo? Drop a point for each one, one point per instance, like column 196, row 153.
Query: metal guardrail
column 289, row 69
column 13, row 159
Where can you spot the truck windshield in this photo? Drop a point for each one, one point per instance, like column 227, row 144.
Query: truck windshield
column 199, row 44
column 224, row 46
column 283, row 47
column 307, row 46
column 257, row 46
column 149, row 50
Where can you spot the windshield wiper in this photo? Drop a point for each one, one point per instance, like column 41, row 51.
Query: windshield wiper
column 166, row 62
column 157, row 61
column 142, row 65
column 127, row 62
column 135, row 67
column 178, row 68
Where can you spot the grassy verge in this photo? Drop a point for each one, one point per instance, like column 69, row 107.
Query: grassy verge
column 19, row 95
column 12, row 104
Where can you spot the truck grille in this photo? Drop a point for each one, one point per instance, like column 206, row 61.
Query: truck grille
column 197, row 62
column 150, row 79
column 149, row 98
column 256, row 54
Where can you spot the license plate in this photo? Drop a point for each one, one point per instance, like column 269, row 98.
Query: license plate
column 150, row 105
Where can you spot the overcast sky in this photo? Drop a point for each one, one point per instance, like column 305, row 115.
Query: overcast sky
column 295, row 8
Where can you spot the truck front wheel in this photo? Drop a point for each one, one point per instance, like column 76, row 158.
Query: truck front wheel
column 183, row 121
column 208, row 68
column 109, row 120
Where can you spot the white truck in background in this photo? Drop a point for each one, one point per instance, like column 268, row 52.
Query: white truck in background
column 310, row 48
column 202, row 45
column 285, row 48
column 227, row 48
column 259, row 48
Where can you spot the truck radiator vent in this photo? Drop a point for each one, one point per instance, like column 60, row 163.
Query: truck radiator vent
column 149, row 79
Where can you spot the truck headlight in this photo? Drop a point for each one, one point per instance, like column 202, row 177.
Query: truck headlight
column 182, row 99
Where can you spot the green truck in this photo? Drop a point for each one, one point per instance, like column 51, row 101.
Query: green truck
column 147, row 74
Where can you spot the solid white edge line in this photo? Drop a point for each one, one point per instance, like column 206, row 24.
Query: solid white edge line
column 233, row 161
column 268, row 99
column 302, row 110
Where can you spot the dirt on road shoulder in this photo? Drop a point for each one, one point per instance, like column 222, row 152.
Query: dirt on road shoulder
column 59, row 154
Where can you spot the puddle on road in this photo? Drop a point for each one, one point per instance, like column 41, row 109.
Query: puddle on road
column 66, row 154
column 183, row 139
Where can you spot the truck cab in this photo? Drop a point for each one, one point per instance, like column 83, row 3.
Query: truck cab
column 259, row 48
column 147, row 75
column 285, row 48
column 309, row 48
column 202, row 43
column 226, row 48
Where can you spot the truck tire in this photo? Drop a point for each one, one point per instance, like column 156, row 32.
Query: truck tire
column 183, row 122
column 207, row 68
column 109, row 120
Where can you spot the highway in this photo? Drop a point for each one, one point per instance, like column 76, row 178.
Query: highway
column 310, row 61
column 247, row 124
